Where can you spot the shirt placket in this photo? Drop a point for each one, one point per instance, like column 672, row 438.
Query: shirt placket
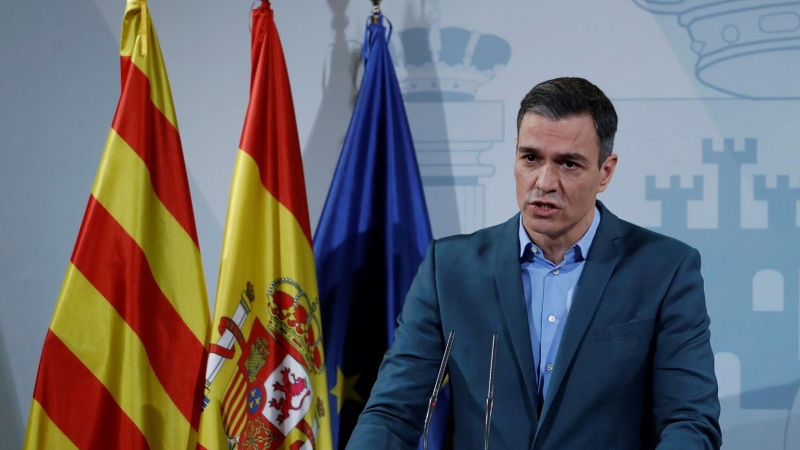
column 548, row 321
column 552, row 315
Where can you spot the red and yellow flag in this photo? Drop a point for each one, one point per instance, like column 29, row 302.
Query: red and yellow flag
column 122, row 363
column 265, row 381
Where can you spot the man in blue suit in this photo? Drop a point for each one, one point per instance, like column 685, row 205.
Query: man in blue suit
column 602, row 325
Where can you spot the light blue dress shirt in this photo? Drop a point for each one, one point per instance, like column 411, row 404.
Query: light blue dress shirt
column 548, row 296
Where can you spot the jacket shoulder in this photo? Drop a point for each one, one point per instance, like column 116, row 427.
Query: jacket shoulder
column 636, row 239
column 476, row 245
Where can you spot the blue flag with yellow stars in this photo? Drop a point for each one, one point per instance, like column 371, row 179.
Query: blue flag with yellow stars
column 371, row 238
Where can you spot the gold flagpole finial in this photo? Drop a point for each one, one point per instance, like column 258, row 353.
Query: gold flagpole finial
column 144, row 28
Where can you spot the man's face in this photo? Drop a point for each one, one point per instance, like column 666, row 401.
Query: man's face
column 558, row 177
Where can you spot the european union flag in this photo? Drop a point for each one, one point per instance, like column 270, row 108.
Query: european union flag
column 371, row 238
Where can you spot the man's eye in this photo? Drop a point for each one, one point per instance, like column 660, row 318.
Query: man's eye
column 530, row 158
column 570, row 165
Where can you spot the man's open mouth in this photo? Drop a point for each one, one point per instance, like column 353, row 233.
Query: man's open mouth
column 545, row 206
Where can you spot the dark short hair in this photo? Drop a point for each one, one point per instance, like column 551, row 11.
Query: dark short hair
column 562, row 98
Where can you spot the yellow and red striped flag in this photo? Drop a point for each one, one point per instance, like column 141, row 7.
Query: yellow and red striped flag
column 265, row 381
column 122, row 363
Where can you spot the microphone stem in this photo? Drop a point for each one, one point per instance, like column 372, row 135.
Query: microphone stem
column 436, row 388
column 490, row 394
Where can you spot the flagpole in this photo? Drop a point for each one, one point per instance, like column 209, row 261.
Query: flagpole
column 376, row 11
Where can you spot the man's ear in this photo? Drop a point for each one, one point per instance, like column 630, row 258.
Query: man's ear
column 607, row 171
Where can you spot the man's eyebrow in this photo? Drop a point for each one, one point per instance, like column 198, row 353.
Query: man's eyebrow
column 528, row 150
column 570, row 156
column 566, row 156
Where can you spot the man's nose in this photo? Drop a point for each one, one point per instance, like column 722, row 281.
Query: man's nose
column 547, row 181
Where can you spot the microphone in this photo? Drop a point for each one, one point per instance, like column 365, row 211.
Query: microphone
column 436, row 388
column 490, row 395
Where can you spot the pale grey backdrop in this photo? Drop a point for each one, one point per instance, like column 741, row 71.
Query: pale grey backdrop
column 707, row 95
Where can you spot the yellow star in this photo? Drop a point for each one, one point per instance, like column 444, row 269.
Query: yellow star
column 345, row 389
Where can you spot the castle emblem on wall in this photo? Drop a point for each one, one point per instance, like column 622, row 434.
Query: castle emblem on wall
column 752, row 283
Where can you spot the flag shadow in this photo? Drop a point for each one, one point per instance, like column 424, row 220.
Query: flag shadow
column 339, row 92
column 13, row 427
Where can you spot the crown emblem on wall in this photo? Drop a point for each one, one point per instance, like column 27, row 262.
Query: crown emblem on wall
column 747, row 48
column 446, row 64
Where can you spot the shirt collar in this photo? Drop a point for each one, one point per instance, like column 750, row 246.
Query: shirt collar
column 581, row 247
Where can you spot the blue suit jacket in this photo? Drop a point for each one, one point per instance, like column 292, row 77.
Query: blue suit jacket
column 634, row 368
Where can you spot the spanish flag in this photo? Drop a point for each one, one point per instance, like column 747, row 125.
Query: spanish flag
column 122, row 362
column 265, row 380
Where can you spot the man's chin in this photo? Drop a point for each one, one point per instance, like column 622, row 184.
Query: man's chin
column 540, row 225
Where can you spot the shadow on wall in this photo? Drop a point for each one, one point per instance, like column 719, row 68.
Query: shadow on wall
column 59, row 85
column 209, row 231
column 10, row 415
column 440, row 70
column 412, row 49
column 339, row 92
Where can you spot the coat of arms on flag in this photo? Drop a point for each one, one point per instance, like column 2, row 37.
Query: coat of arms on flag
column 270, row 394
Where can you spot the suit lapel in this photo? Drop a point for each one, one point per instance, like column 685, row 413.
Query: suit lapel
column 512, row 301
column 603, row 259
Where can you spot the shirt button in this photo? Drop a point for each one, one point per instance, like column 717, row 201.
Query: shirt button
column 555, row 271
column 535, row 250
column 551, row 319
column 549, row 367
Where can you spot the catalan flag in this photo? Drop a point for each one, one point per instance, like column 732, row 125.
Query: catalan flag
column 265, row 380
column 122, row 362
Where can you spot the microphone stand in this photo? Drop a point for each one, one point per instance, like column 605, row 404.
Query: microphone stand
column 436, row 388
column 490, row 395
